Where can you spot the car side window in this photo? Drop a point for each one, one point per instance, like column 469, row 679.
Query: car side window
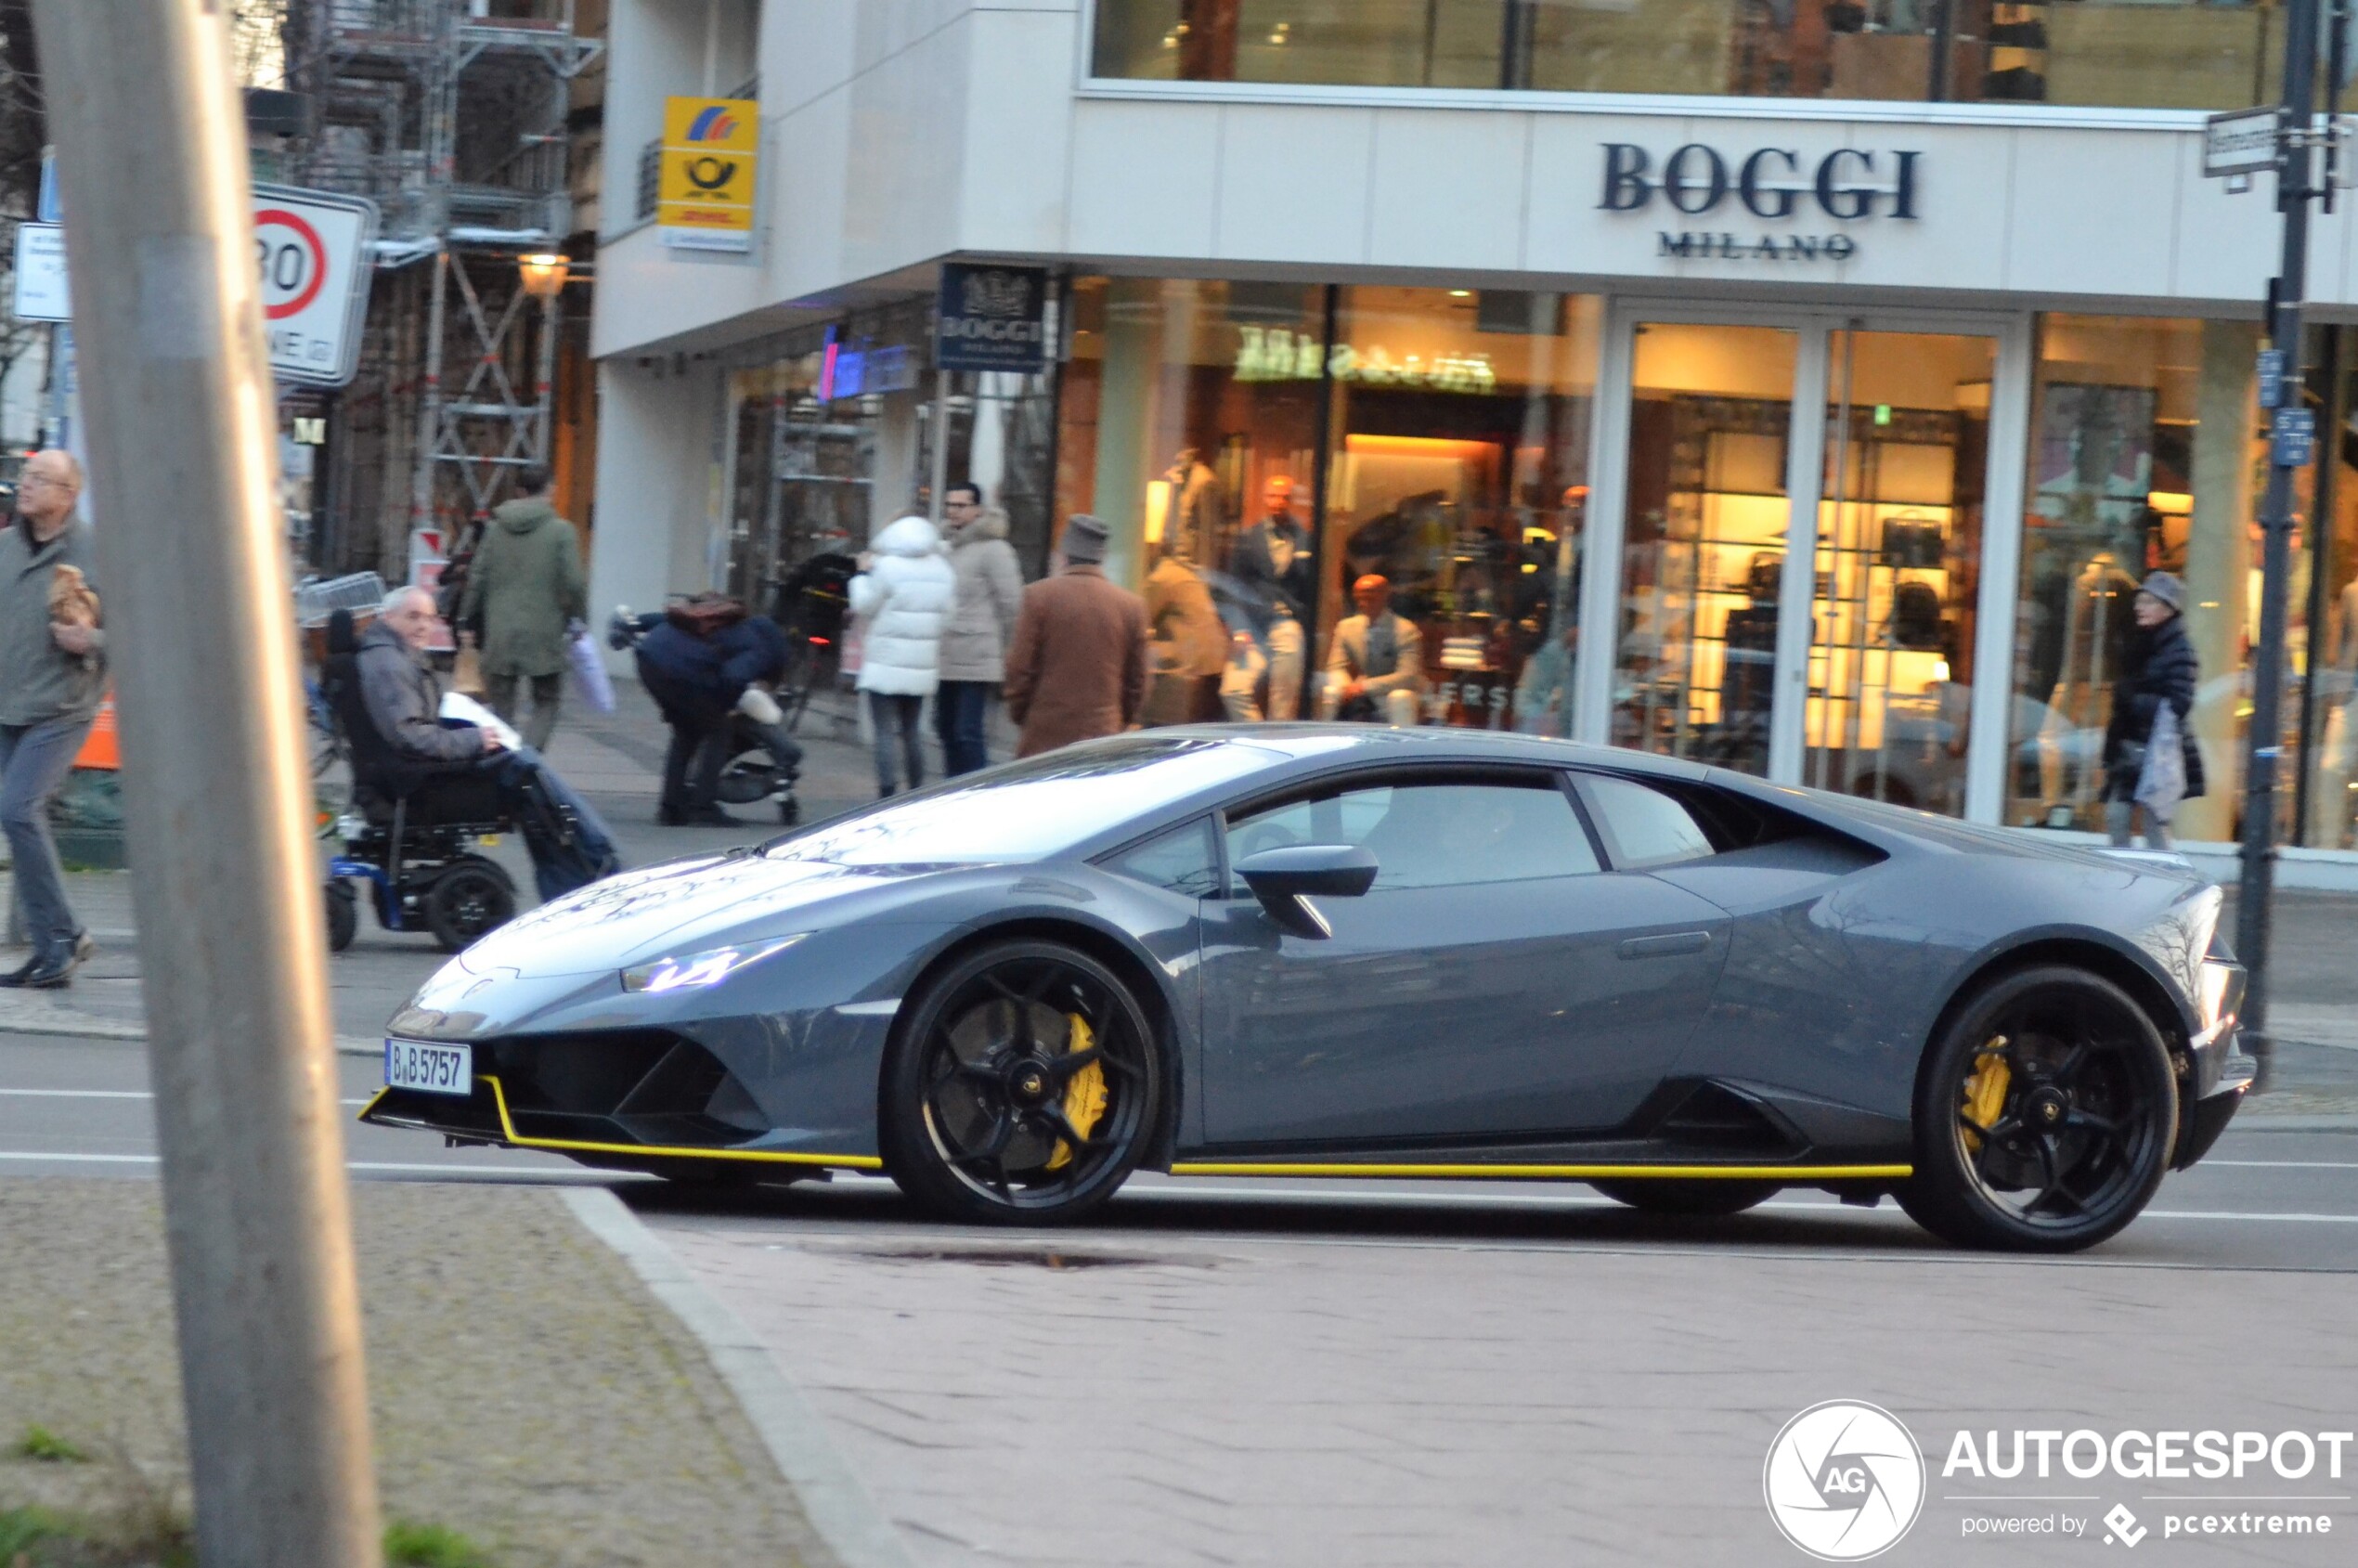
column 1642, row 827
column 1435, row 835
column 1186, row 861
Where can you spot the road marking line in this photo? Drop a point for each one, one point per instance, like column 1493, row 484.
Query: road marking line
column 1573, row 1200
column 104, row 1095
column 534, row 1171
column 2282, row 1164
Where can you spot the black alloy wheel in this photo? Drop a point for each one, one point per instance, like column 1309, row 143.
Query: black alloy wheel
column 1696, row 1196
column 471, row 897
column 1023, row 1086
column 2046, row 1114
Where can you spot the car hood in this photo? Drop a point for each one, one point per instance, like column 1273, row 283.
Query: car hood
column 679, row 906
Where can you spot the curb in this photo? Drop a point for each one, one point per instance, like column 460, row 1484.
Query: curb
column 839, row 1506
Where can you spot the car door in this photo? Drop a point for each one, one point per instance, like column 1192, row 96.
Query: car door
column 1496, row 980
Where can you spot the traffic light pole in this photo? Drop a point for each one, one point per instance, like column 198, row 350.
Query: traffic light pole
column 176, row 385
column 2296, row 166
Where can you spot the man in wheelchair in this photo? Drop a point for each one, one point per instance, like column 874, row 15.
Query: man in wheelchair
column 418, row 777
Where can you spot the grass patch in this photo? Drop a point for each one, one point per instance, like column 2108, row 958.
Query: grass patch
column 409, row 1544
column 40, row 1443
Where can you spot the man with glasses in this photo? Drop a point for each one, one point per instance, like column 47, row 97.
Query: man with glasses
column 52, row 679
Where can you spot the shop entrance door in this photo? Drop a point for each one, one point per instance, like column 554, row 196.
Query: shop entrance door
column 1719, row 434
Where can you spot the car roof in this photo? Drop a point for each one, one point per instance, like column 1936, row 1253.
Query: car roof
column 1358, row 744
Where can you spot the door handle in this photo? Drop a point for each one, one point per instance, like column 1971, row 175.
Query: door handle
column 1667, row 946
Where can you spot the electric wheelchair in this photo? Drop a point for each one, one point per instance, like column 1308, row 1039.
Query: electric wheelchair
column 414, row 848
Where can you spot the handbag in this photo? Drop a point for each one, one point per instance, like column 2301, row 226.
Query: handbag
column 2161, row 778
column 589, row 670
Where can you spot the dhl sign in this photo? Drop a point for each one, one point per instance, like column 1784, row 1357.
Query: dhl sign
column 704, row 195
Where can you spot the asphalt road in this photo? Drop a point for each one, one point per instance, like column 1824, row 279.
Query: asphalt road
column 1425, row 1374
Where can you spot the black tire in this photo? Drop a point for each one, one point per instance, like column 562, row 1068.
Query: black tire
column 1699, row 1196
column 472, row 897
column 981, row 1114
column 343, row 914
column 2065, row 1139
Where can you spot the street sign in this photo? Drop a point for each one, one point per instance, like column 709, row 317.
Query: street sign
column 312, row 249
column 41, row 274
column 704, row 191
column 2292, row 437
column 2241, row 142
column 2272, row 377
column 990, row 317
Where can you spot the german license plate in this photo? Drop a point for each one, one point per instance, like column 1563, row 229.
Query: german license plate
column 430, row 1069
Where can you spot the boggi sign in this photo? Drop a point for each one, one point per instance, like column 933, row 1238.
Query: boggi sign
column 1848, row 184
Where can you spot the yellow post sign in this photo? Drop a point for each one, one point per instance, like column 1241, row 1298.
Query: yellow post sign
column 704, row 191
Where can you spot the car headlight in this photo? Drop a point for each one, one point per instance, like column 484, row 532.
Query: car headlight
column 2218, row 984
column 692, row 971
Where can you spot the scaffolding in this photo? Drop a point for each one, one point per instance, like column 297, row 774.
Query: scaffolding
column 454, row 116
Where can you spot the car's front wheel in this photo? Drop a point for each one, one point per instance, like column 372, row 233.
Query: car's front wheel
column 2044, row 1115
column 1022, row 1087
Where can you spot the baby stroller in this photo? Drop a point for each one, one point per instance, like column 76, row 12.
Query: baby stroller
column 752, row 772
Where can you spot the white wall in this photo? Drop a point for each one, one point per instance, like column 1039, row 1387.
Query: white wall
column 656, row 475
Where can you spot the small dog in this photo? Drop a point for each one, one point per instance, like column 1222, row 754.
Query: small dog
column 72, row 601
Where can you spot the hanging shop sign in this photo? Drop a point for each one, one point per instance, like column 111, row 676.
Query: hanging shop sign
column 704, row 191
column 1847, row 185
column 992, row 318
column 1278, row 353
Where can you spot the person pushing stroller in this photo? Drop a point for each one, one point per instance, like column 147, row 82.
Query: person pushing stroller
column 706, row 662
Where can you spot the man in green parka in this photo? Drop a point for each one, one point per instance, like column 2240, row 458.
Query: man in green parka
column 525, row 588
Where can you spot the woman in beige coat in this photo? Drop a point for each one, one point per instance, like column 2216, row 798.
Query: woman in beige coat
column 974, row 644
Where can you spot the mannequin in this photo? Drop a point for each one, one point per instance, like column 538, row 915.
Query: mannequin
column 1187, row 647
column 1194, row 526
column 1266, row 604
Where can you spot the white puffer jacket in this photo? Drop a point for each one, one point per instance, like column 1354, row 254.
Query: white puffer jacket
column 904, row 599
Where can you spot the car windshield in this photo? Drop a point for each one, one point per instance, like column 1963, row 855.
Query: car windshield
column 1028, row 811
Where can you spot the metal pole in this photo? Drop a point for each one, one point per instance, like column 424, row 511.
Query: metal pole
column 226, row 880
column 429, row 415
column 940, row 446
column 545, row 376
column 2264, row 741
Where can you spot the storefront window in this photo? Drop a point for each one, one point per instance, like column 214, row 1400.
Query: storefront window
column 2163, row 54
column 1461, row 481
column 1339, row 502
column 2142, row 457
column 2326, row 792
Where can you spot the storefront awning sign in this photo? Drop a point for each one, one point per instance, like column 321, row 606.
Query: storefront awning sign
column 992, row 318
column 704, row 193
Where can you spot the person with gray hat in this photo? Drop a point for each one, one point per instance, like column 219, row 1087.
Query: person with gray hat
column 1077, row 668
column 2151, row 760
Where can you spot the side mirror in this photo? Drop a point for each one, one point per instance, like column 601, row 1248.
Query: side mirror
column 1282, row 878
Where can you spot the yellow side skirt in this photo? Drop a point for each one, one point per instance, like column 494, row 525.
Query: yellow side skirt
column 1557, row 1173
column 759, row 1157
column 1248, row 1168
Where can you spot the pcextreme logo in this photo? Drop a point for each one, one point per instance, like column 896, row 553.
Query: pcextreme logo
column 1844, row 1481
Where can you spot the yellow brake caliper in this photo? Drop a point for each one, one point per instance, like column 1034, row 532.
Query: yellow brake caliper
column 1986, row 1090
column 1084, row 1097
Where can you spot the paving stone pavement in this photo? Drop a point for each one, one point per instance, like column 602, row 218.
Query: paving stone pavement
column 527, row 1388
column 1295, row 1403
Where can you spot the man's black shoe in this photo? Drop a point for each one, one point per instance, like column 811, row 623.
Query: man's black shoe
column 42, row 974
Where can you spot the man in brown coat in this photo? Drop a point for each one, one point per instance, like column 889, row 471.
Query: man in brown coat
column 1078, row 666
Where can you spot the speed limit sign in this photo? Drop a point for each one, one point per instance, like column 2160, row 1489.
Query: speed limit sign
column 312, row 247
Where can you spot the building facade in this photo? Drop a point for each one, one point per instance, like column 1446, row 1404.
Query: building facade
column 1560, row 317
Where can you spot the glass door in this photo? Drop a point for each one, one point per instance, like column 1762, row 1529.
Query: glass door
column 1897, row 569
column 1706, row 510
column 1841, row 653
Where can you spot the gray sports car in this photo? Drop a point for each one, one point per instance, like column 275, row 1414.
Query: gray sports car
column 1339, row 950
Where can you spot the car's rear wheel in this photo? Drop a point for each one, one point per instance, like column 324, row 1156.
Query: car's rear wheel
column 1022, row 1088
column 2044, row 1115
column 1676, row 1195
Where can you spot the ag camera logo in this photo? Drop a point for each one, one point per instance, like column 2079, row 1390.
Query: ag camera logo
column 1844, row 1481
